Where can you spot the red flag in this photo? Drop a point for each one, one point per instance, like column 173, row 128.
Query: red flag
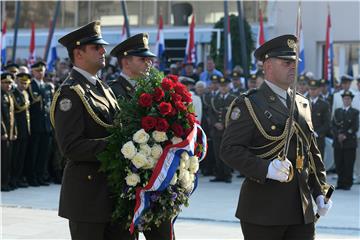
column 261, row 35
column 3, row 44
column 190, row 54
column 31, row 59
column 123, row 32
column 328, row 56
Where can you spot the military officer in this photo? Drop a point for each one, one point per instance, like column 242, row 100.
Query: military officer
column 237, row 87
column 320, row 114
column 275, row 202
column 346, row 81
column 345, row 125
column 12, row 68
column 22, row 117
column 252, row 82
column 82, row 111
column 135, row 59
column 219, row 106
column 302, row 85
column 325, row 93
column 8, row 130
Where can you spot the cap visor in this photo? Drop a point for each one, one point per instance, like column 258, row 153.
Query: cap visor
column 145, row 53
column 99, row 41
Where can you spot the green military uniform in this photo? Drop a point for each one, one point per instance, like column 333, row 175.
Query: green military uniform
column 236, row 91
column 255, row 135
column 81, row 113
column 22, row 117
column 345, row 121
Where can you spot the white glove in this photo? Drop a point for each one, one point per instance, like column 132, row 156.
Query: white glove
column 279, row 170
column 322, row 207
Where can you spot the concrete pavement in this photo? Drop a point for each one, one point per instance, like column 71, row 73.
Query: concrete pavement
column 31, row 213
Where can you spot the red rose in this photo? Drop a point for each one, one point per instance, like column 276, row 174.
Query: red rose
column 173, row 112
column 180, row 106
column 162, row 125
column 175, row 97
column 158, row 94
column 187, row 97
column 165, row 108
column 180, row 88
column 177, row 129
column 174, row 78
column 188, row 131
column 167, row 84
column 145, row 100
column 191, row 119
column 148, row 123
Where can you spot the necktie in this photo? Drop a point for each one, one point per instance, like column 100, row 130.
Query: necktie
column 99, row 88
column 288, row 101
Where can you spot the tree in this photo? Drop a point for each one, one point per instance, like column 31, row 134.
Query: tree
column 235, row 40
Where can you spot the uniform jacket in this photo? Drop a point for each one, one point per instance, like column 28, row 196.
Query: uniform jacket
column 22, row 113
column 8, row 123
column 121, row 87
column 264, row 201
column 81, row 131
column 320, row 115
column 346, row 122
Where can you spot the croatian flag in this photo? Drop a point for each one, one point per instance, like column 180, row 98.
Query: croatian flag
column 301, row 66
column 329, row 52
column 190, row 52
column 259, row 41
column 3, row 44
column 123, row 36
column 53, row 56
column 160, row 45
column 229, row 50
column 31, row 59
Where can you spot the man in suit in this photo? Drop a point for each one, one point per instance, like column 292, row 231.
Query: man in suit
column 135, row 59
column 320, row 114
column 275, row 203
column 82, row 111
column 345, row 125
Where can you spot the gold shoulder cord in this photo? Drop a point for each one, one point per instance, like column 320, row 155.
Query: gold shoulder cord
column 35, row 99
column 228, row 113
column 19, row 108
column 88, row 108
column 213, row 106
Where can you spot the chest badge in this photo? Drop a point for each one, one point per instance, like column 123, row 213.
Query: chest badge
column 235, row 113
column 65, row 105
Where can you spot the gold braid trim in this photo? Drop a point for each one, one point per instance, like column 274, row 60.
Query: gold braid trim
column 88, row 108
column 18, row 107
column 35, row 99
column 52, row 107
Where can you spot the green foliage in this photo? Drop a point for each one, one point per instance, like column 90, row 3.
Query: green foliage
column 235, row 43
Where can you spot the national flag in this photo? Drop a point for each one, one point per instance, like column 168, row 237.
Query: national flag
column 260, row 40
column 53, row 56
column 31, row 59
column 160, row 45
column 3, row 44
column 301, row 66
column 123, row 32
column 229, row 49
column 329, row 52
column 190, row 52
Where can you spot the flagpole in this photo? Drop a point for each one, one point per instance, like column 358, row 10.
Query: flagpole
column 124, row 9
column 51, row 31
column 242, row 41
column 226, row 27
column 16, row 26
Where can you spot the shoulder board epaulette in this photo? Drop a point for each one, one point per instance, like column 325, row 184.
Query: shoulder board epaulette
column 249, row 92
column 69, row 81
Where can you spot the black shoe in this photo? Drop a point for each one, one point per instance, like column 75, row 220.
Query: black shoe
column 34, row 183
column 22, row 184
column 5, row 189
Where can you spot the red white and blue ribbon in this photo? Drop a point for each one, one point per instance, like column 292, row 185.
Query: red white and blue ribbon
column 165, row 169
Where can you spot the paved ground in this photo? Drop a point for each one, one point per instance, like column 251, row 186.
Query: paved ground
column 31, row 213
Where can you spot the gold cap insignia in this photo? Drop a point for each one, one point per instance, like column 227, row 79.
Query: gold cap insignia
column 8, row 77
column 272, row 98
column 97, row 29
column 125, row 53
column 291, row 43
column 78, row 43
column 146, row 42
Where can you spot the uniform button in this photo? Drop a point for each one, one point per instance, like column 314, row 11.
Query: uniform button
column 89, row 177
column 273, row 127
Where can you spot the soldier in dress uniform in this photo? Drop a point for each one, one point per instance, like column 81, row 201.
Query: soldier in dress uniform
column 12, row 68
column 135, row 59
column 252, row 82
column 345, row 125
column 275, row 203
column 325, row 93
column 237, row 87
column 8, row 130
column 82, row 110
column 320, row 114
column 219, row 106
column 302, row 85
column 22, row 117
column 40, row 100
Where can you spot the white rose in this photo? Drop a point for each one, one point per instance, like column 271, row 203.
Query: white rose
column 176, row 140
column 159, row 136
column 192, row 178
column 141, row 136
column 182, row 164
column 132, row 179
column 139, row 160
column 186, row 159
column 128, row 150
column 194, row 164
column 184, row 177
column 189, row 187
column 174, row 179
column 156, row 151
column 150, row 163
column 145, row 149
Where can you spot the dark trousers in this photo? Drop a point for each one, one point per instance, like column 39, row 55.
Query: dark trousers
column 321, row 145
column 5, row 163
column 99, row 231
column 344, row 162
column 222, row 171
column 282, row 232
column 208, row 165
column 18, row 159
column 163, row 232
column 35, row 167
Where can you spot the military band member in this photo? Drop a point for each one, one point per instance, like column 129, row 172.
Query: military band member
column 345, row 125
column 135, row 59
column 8, row 130
column 237, row 87
column 275, row 203
column 22, row 117
column 82, row 110
column 219, row 107
column 320, row 114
